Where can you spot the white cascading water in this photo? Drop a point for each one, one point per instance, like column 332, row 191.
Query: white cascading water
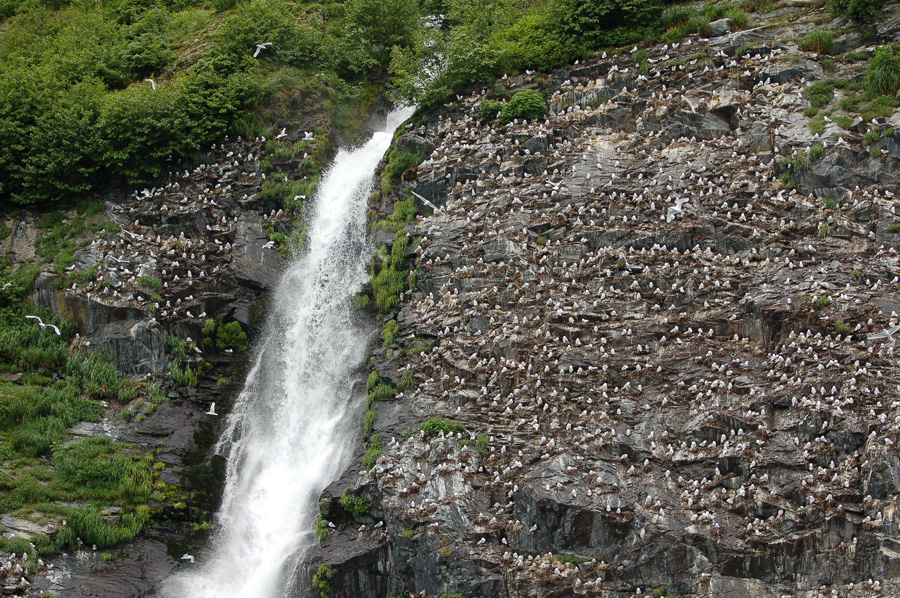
column 292, row 429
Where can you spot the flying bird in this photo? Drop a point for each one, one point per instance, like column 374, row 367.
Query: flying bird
column 888, row 334
column 42, row 325
column 261, row 47
column 282, row 134
column 212, row 411
column 152, row 83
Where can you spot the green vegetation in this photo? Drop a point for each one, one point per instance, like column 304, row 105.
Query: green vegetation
column 44, row 471
column 490, row 109
column 322, row 528
column 858, row 10
column 819, row 94
column 231, row 336
column 77, row 109
column 391, row 279
column 357, row 506
column 817, row 40
column 893, row 227
column 804, row 159
column 389, row 332
column 883, row 71
column 841, row 326
column 151, row 282
column 373, row 452
column 398, row 162
column 408, row 533
column 371, row 418
column 482, row 445
column 183, row 376
column 528, row 104
column 683, row 20
column 822, row 302
column 486, row 38
column 321, row 580
column 434, row 426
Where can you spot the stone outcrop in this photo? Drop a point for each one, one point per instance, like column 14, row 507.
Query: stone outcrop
column 661, row 338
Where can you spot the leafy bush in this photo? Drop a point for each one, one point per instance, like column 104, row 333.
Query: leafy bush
column 398, row 161
column 490, row 110
column 482, row 445
column 151, row 282
column 389, row 331
column 373, row 452
column 357, row 506
column 231, row 336
column 819, row 94
column 434, row 426
column 321, row 580
column 883, row 71
column 323, row 530
column 818, row 40
column 183, row 377
column 528, row 103
column 858, row 10
column 371, row 418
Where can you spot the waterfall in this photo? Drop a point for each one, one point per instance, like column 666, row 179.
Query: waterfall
column 295, row 425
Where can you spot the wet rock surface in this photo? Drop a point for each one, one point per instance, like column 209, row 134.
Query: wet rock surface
column 677, row 362
column 195, row 247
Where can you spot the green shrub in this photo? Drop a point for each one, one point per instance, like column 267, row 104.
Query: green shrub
column 434, row 426
column 322, row 528
column 389, row 331
column 894, row 227
column 858, row 10
column 178, row 347
column 209, row 328
column 482, row 445
column 151, row 282
column 231, row 336
column 817, row 40
column 883, row 71
column 398, row 162
column 357, row 506
column 528, row 104
column 819, row 94
column 371, row 418
column 381, row 392
column 490, row 110
column 373, row 452
column 406, row 380
column 183, row 377
column 321, row 580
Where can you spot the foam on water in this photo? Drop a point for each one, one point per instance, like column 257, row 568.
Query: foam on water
column 294, row 426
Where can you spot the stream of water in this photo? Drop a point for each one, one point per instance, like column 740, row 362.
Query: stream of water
column 293, row 429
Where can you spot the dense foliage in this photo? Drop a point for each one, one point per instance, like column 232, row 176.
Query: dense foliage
column 47, row 388
column 480, row 39
column 95, row 89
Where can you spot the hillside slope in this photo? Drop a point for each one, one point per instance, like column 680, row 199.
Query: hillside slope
column 642, row 351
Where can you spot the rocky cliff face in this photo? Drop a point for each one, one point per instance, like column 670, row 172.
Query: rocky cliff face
column 664, row 342
column 195, row 247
